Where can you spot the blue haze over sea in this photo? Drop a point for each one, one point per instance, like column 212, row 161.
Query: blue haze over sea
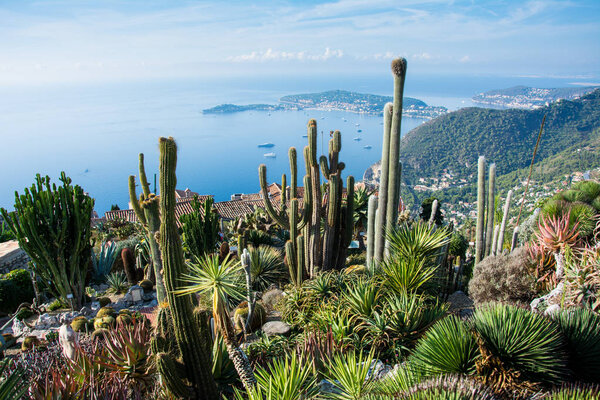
column 95, row 132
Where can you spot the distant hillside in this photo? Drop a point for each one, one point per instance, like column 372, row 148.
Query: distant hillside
column 231, row 108
column 455, row 140
column 529, row 97
column 369, row 102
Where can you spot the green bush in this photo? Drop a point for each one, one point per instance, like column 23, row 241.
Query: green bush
column 15, row 288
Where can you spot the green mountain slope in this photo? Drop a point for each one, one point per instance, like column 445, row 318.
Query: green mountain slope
column 455, row 140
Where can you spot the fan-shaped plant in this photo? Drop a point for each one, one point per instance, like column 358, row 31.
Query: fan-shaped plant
column 555, row 234
column 581, row 329
column 266, row 267
column 519, row 342
column 447, row 347
column 117, row 282
column 406, row 274
column 419, row 241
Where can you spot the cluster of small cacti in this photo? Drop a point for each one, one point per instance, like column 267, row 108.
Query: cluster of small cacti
column 310, row 251
column 489, row 238
column 240, row 316
column 383, row 213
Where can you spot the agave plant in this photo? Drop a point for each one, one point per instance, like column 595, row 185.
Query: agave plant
column 103, row 262
column 448, row 347
column 403, row 275
column 419, row 241
column 12, row 384
column 351, row 375
column 581, row 329
column 516, row 343
column 555, row 235
column 266, row 267
column 117, row 282
column 362, row 298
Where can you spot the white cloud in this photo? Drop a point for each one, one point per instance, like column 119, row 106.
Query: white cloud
column 274, row 55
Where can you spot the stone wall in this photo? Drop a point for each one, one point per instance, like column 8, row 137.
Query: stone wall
column 12, row 257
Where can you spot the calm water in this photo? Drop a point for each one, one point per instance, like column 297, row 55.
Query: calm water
column 95, row 133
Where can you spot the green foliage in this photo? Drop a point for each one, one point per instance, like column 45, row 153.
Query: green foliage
column 117, row 282
column 448, row 347
column 581, row 330
column 574, row 392
column 349, row 374
column 223, row 369
column 403, row 274
column 56, row 305
column 445, row 387
column 362, row 298
column 5, row 233
column 103, row 262
column 12, row 384
column 419, row 241
column 15, row 288
column 522, row 341
column 361, row 205
column 266, row 267
column 458, row 245
column 200, row 228
column 52, row 224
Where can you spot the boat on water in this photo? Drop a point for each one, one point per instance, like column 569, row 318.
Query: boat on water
column 368, row 147
column 357, row 124
column 357, row 139
column 266, row 145
column 359, row 131
column 270, row 155
column 304, row 135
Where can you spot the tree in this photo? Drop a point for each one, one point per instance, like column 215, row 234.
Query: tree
column 115, row 207
column 52, row 225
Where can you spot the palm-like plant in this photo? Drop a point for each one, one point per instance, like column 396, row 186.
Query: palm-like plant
column 350, row 375
column 581, row 329
column 515, row 341
column 419, row 241
column 266, row 267
column 448, row 347
column 103, row 262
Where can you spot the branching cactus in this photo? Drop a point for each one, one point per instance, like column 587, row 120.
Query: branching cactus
column 148, row 214
column 190, row 375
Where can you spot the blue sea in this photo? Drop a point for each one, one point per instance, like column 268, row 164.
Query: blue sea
column 94, row 132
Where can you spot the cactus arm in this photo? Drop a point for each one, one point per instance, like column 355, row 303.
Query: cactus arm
column 490, row 209
column 262, row 175
column 333, row 213
column 283, row 193
column 167, row 369
column 500, row 243
column 143, row 179
column 247, row 264
column 291, row 262
column 314, row 231
column 135, row 204
column 306, row 212
column 348, row 222
column 515, row 239
column 293, row 173
column 495, row 241
column 383, row 186
column 479, row 240
column 324, row 167
column 300, row 259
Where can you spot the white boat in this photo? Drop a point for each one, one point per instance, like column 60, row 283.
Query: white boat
column 368, row 147
column 270, row 155
column 266, row 145
column 357, row 139
column 357, row 124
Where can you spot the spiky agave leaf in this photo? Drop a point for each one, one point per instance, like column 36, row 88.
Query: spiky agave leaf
column 350, row 374
column 285, row 379
column 399, row 380
column 266, row 267
column 362, row 297
column 402, row 274
column 575, row 391
column 447, row 347
column 419, row 241
column 522, row 341
column 581, row 329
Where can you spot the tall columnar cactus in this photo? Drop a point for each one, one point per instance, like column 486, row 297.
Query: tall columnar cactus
column 247, row 264
column 489, row 232
column 290, row 217
column 495, row 241
column 371, row 216
column 434, row 208
column 192, row 376
column 148, row 214
column 480, row 235
column 129, row 265
column 52, row 225
column 500, row 242
column 390, row 181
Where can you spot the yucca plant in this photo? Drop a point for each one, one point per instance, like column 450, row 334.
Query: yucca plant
column 448, row 347
column 117, row 282
column 403, row 275
column 350, row 374
column 103, row 262
column 518, row 344
column 410, row 315
column 284, row 379
column 362, row 298
column 581, row 330
column 376, row 331
column 418, row 241
column 266, row 267
column 12, row 384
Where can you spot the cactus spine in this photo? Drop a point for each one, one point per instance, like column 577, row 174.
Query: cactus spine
column 371, row 216
column 480, row 235
column 196, row 362
column 148, row 213
column 500, row 242
column 489, row 233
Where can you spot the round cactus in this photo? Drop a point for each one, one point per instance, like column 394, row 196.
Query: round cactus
column 147, row 285
column 104, row 301
column 240, row 315
column 104, row 322
column 30, row 342
column 79, row 324
column 105, row 312
column 124, row 319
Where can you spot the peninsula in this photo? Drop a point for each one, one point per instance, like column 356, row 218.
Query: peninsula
column 529, row 98
column 337, row 100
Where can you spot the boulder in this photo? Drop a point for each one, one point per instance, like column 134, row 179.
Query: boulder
column 274, row 328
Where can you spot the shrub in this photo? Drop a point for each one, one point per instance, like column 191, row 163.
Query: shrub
column 503, row 278
column 581, row 329
column 57, row 304
column 448, row 347
column 356, row 259
column 15, row 288
column 521, row 342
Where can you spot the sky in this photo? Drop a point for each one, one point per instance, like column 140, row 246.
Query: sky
column 55, row 41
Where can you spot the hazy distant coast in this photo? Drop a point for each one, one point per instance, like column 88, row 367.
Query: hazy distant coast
column 336, row 100
column 529, row 98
